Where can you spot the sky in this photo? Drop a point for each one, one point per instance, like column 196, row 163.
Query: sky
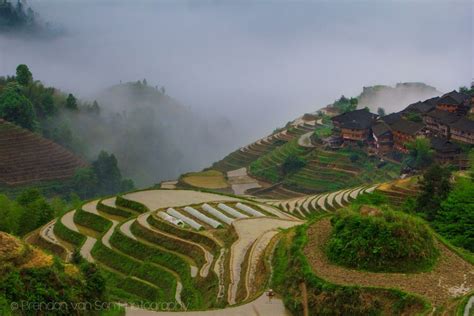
column 258, row 63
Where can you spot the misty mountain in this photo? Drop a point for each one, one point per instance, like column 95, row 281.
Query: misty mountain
column 396, row 98
column 153, row 136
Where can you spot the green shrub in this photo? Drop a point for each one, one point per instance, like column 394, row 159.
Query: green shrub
column 114, row 259
column 291, row 267
column 92, row 221
column 292, row 164
column 130, row 204
column 387, row 241
column 132, row 294
column 455, row 219
column 159, row 277
column 113, row 210
column 141, row 289
column 68, row 235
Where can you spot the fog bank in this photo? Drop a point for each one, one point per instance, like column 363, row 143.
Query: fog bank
column 258, row 64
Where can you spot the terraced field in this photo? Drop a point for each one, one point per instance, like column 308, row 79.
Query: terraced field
column 29, row 158
column 200, row 250
column 244, row 156
column 324, row 171
column 310, row 205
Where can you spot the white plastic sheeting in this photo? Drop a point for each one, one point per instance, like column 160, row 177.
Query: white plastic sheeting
column 222, row 217
column 171, row 219
column 229, row 210
column 202, row 217
column 187, row 220
column 248, row 210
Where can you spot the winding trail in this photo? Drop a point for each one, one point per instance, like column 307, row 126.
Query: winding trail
column 469, row 306
column 248, row 231
column 451, row 276
column 240, row 181
column 305, row 140
column 256, row 253
column 219, row 269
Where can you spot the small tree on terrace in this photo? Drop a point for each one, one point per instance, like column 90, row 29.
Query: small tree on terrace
column 71, row 102
column 435, row 186
column 420, row 153
column 381, row 111
column 23, row 75
column 16, row 108
column 292, row 164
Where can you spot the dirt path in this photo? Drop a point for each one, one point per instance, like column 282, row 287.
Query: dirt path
column 451, row 277
column 260, row 307
column 219, row 269
column 469, row 306
column 305, row 140
column 169, row 184
column 248, row 231
column 240, row 181
column 256, row 253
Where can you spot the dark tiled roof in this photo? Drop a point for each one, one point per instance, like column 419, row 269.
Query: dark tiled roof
column 420, row 107
column 380, row 129
column 391, row 118
column 453, row 97
column 464, row 124
column 443, row 145
column 407, row 127
column 358, row 119
column 444, row 117
column 432, row 101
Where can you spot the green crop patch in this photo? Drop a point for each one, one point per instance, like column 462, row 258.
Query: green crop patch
column 92, row 221
column 68, row 235
column 113, row 210
column 169, row 243
column 130, row 204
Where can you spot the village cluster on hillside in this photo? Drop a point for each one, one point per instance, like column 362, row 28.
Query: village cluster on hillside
column 444, row 120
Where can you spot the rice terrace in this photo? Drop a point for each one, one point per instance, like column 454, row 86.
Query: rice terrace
column 236, row 158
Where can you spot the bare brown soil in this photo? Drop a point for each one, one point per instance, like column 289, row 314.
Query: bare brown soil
column 450, row 277
column 28, row 157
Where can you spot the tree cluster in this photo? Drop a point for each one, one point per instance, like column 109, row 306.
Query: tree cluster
column 345, row 105
column 102, row 178
column 16, row 17
column 447, row 205
column 29, row 211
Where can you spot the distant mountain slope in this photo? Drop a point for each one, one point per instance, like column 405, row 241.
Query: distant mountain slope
column 26, row 157
column 153, row 136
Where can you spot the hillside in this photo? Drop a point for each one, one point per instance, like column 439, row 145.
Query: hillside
column 27, row 158
column 29, row 276
column 153, row 136
column 269, row 162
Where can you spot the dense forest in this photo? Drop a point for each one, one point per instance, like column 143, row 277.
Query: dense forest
column 18, row 18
